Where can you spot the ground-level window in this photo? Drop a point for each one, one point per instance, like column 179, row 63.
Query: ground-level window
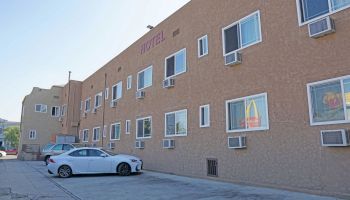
column 129, row 82
column 144, row 78
column 329, row 101
column 40, row 108
column 32, row 134
column 96, row 134
column 202, row 46
column 204, row 116
column 247, row 113
column 176, row 123
column 115, row 131
column 85, row 135
column 175, row 64
column 87, row 105
column 55, row 111
column 127, row 126
column 144, row 127
column 98, row 100
column 117, row 91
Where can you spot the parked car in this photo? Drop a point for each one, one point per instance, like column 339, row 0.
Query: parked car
column 11, row 151
column 87, row 160
column 55, row 149
column 2, row 153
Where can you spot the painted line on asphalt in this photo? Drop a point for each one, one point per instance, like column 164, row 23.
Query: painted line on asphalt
column 56, row 184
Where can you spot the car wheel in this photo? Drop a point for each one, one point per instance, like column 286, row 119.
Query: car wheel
column 64, row 171
column 124, row 169
column 47, row 158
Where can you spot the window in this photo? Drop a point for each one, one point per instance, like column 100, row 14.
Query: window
column 129, row 82
column 67, row 147
column 98, row 99
column 106, row 93
column 247, row 114
column 176, row 123
column 144, row 127
column 144, row 78
column 85, row 135
column 32, row 134
column 175, row 64
column 117, row 91
column 94, row 153
column 329, row 101
column 63, row 110
column 40, row 108
column 115, row 131
column 79, row 153
column 309, row 10
column 127, row 126
column 57, row 147
column 87, row 105
column 204, row 116
column 96, row 134
column 241, row 34
column 55, row 111
column 202, row 46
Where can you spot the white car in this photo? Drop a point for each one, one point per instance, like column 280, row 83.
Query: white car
column 2, row 153
column 87, row 160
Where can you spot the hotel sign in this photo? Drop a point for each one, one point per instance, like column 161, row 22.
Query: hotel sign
column 154, row 41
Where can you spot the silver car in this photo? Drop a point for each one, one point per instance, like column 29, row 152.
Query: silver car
column 54, row 150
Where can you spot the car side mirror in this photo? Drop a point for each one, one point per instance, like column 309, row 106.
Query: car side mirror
column 103, row 155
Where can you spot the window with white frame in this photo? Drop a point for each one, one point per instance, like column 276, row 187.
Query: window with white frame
column 144, row 127
column 203, row 46
column 329, row 101
column 175, row 64
column 63, row 110
column 115, row 131
column 204, row 116
column 98, row 100
column 96, row 134
column 176, row 123
column 85, row 135
column 41, row 108
column 32, row 134
column 247, row 114
column 144, row 78
column 129, row 82
column 106, row 93
column 127, row 126
column 55, row 111
column 87, row 104
column 117, row 91
column 242, row 33
column 311, row 9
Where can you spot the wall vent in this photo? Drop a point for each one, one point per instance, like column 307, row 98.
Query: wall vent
column 212, row 167
column 335, row 138
column 321, row 27
column 176, row 32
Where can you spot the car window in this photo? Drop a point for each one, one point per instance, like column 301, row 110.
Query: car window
column 57, row 147
column 67, row 147
column 95, row 153
column 79, row 153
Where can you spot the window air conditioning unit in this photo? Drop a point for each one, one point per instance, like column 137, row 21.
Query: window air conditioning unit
column 321, row 27
column 168, row 143
column 84, row 115
column 111, row 145
column 233, row 58
column 335, row 138
column 168, row 83
column 94, row 145
column 113, row 104
column 139, row 144
column 140, row 94
column 238, row 142
column 60, row 119
column 94, row 110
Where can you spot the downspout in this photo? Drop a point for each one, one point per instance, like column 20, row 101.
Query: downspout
column 103, row 109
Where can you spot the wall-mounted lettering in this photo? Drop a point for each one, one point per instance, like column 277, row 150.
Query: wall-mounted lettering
column 154, row 41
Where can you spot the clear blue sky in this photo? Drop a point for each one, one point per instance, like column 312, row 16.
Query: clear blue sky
column 40, row 41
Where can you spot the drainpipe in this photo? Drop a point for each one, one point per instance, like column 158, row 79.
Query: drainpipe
column 103, row 109
column 68, row 98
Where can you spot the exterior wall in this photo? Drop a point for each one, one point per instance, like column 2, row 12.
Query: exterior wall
column 288, row 154
column 44, row 124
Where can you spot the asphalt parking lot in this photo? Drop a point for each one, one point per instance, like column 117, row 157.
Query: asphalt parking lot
column 30, row 180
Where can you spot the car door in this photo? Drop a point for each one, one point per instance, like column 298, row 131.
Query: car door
column 79, row 161
column 97, row 163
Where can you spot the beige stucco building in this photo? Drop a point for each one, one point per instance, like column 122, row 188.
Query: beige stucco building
column 287, row 88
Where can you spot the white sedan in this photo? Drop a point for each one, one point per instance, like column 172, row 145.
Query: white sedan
column 2, row 153
column 92, row 161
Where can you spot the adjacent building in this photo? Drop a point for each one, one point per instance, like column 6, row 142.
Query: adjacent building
column 3, row 125
column 246, row 92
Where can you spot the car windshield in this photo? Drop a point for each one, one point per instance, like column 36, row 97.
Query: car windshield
column 47, row 146
column 109, row 152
